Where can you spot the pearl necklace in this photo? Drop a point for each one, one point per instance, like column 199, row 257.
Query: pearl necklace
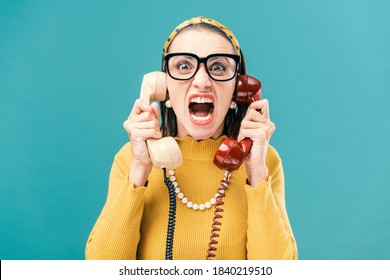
column 190, row 204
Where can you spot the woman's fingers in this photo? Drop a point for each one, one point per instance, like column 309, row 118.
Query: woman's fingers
column 262, row 106
column 155, row 110
column 129, row 125
column 139, row 107
column 256, row 124
column 143, row 134
column 142, row 122
column 261, row 133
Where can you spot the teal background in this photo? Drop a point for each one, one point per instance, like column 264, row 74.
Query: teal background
column 71, row 70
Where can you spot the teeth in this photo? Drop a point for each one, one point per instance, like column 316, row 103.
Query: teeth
column 199, row 99
column 201, row 119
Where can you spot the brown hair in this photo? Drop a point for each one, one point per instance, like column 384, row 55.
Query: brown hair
column 233, row 117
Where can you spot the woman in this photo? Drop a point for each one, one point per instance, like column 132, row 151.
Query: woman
column 200, row 112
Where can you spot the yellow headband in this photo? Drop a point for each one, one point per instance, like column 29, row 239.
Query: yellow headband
column 198, row 20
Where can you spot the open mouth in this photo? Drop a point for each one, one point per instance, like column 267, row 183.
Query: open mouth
column 201, row 109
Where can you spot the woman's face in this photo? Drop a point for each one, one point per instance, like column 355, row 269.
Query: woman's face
column 201, row 103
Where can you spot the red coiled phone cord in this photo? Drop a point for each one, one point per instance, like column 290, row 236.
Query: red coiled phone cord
column 217, row 215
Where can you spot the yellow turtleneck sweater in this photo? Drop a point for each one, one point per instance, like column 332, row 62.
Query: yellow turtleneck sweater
column 133, row 222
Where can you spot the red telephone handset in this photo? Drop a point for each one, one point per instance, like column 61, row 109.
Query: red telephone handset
column 232, row 153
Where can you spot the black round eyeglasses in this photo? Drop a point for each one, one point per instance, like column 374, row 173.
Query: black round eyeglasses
column 183, row 66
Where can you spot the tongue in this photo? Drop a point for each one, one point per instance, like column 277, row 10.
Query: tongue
column 200, row 109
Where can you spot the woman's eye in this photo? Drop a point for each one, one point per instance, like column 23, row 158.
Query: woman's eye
column 217, row 68
column 183, row 66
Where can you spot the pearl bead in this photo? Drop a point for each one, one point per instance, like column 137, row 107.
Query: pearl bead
column 207, row 204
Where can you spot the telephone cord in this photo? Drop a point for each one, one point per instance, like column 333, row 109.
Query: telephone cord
column 171, row 217
column 218, row 209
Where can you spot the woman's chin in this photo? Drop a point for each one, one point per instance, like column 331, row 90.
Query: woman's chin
column 202, row 133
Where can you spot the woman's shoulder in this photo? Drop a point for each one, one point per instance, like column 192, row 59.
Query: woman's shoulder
column 124, row 155
column 272, row 152
column 125, row 149
column 273, row 158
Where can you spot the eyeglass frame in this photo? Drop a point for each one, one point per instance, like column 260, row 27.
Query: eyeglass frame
column 201, row 60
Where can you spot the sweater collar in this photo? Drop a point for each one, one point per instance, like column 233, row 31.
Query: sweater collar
column 203, row 149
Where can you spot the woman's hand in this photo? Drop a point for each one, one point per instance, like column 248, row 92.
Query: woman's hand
column 141, row 124
column 257, row 126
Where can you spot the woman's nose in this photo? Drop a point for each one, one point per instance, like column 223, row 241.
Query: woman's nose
column 202, row 80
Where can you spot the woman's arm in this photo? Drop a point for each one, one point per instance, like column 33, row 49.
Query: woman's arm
column 269, row 232
column 117, row 231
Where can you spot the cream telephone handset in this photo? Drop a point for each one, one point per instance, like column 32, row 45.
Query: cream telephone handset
column 164, row 152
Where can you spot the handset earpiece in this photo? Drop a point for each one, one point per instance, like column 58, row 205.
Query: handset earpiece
column 248, row 89
column 154, row 86
column 232, row 153
column 164, row 152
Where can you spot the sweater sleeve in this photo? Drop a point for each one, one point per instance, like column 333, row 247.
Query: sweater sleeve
column 269, row 232
column 117, row 230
